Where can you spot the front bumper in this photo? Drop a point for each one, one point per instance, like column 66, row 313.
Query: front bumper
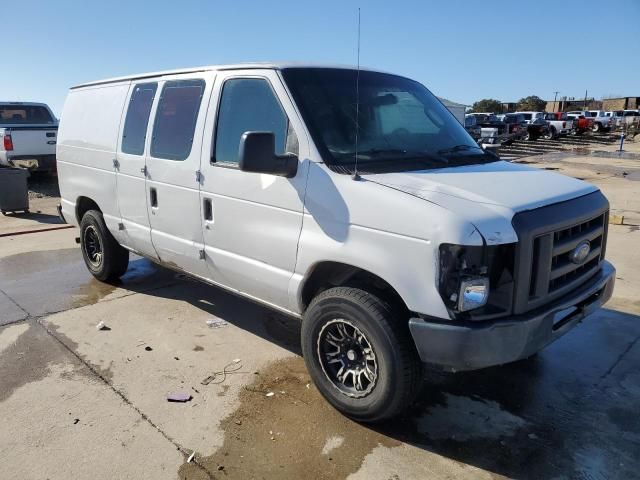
column 470, row 346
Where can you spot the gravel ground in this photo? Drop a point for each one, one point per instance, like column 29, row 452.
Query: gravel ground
column 43, row 185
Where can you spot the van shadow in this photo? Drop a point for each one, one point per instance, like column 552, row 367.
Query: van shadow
column 568, row 412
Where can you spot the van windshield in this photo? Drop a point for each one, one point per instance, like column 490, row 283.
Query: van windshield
column 401, row 125
column 24, row 115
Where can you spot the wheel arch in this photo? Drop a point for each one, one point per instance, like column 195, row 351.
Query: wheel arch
column 328, row 274
column 83, row 205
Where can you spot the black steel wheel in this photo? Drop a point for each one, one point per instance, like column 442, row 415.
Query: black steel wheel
column 360, row 354
column 103, row 256
column 347, row 358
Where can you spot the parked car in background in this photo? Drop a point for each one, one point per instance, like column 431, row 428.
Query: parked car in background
column 28, row 136
column 619, row 118
column 472, row 127
column 247, row 177
column 601, row 121
column 581, row 124
column 559, row 124
column 516, row 125
column 536, row 125
column 492, row 131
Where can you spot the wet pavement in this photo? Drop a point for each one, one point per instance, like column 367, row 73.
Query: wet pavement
column 77, row 402
column 571, row 412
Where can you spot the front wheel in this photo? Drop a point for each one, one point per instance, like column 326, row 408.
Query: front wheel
column 105, row 258
column 360, row 354
column 597, row 127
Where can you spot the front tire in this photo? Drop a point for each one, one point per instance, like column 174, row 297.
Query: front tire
column 597, row 127
column 360, row 354
column 105, row 258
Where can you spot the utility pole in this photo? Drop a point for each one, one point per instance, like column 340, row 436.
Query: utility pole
column 555, row 104
column 585, row 100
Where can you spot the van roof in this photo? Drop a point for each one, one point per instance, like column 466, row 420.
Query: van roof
column 235, row 66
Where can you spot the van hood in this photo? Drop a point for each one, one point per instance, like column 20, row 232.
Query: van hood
column 487, row 195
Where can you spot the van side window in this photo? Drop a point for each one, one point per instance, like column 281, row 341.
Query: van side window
column 176, row 117
column 249, row 104
column 135, row 124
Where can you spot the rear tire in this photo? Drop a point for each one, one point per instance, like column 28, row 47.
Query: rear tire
column 597, row 127
column 105, row 258
column 360, row 354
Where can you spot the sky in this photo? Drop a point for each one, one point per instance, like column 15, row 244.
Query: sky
column 461, row 50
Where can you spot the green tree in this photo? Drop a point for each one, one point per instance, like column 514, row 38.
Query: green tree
column 532, row 103
column 487, row 105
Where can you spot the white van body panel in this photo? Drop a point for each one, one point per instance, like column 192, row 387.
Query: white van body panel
column 132, row 192
column 488, row 195
column 251, row 242
column 268, row 233
column 87, row 140
column 359, row 223
column 176, row 222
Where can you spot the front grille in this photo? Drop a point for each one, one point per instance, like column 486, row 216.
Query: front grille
column 552, row 269
column 563, row 270
column 548, row 237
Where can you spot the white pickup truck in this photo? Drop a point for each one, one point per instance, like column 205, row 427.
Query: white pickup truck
column 28, row 134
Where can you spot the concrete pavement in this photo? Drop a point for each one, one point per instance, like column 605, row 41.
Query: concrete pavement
column 82, row 403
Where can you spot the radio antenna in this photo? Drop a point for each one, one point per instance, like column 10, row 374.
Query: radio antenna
column 355, row 168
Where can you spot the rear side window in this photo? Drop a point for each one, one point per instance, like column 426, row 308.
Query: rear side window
column 135, row 125
column 246, row 105
column 24, row 115
column 176, row 117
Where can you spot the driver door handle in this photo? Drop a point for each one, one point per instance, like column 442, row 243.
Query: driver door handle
column 207, row 210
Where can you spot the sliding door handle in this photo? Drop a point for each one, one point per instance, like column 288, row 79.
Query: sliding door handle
column 153, row 197
column 207, row 210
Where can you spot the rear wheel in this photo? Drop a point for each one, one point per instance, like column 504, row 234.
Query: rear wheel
column 103, row 255
column 597, row 127
column 360, row 354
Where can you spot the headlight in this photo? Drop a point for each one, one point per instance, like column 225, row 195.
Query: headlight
column 476, row 282
column 474, row 293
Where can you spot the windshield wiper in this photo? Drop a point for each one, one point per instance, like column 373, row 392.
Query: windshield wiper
column 459, row 148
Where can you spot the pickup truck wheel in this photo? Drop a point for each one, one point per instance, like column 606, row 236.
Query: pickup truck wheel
column 597, row 127
column 103, row 255
column 551, row 134
column 359, row 354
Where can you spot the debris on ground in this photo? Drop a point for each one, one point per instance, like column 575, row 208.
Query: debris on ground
column 270, row 394
column 231, row 367
column 193, row 454
column 102, row 326
column 75, row 421
column 216, row 323
column 179, row 397
column 148, row 349
column 616, row 219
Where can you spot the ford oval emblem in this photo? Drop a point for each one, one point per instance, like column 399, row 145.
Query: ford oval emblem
column 579, row 254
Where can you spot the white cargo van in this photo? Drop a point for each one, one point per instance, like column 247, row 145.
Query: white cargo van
column 371, row 216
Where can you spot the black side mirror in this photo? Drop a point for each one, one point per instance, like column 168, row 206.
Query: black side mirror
column 258, row 154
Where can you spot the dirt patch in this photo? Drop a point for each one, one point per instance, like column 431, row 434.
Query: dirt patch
column 284, row 435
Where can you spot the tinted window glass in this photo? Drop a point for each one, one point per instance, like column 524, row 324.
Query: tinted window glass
column 24, row 114
column 176, row 118
column 248, row 104
column 135, row 125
